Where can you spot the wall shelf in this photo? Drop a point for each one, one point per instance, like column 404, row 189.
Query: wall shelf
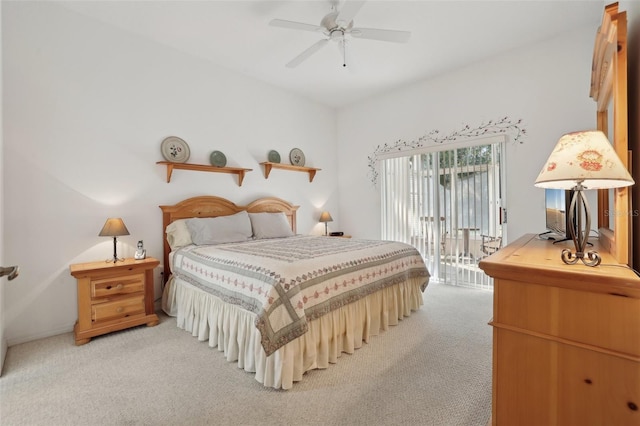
column 269, row 165
column 204, row 168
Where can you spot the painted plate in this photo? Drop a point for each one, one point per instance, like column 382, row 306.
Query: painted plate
column 296, row 157
column 218, row 159
column 274, row 156
column 175, row 150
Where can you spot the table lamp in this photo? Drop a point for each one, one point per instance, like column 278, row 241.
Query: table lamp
column 326, row 217
column 114, row 227
column 582, row 160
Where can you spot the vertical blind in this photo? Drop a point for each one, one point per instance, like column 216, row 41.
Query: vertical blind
column 446, row 203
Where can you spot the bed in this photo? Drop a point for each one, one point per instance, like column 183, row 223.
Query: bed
column 277, row 303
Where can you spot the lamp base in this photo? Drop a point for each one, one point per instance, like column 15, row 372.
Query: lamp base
column 580, row 235
column 115, row 258
column 590, row 258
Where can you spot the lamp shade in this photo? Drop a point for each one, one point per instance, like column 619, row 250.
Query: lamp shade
column 325, row 217
column 113, row 227
column 586, row 157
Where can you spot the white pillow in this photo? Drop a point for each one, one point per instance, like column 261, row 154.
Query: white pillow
column 270, row 225
column 178, row 234
column 221, row 229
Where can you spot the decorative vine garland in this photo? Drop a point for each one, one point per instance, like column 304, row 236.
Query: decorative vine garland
column 501, row 126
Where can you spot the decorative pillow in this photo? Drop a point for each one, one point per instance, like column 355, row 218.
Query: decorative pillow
column 221, row 229
column 270, row 225
column 178, row 234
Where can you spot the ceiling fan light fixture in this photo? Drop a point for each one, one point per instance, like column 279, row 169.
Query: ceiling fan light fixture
column 337, row 35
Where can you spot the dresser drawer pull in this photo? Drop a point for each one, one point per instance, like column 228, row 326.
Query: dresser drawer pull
column 120, row 286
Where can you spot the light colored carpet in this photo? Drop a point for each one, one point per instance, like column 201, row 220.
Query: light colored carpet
column 434, row 368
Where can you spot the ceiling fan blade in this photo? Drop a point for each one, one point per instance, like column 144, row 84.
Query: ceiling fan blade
column 382, row 35
column 310, row 51
column 295, row 25
column 348, row 11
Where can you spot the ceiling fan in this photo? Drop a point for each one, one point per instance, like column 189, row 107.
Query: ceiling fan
column 337, row 25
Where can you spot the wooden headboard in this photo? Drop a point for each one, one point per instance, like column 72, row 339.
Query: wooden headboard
column 210, row 206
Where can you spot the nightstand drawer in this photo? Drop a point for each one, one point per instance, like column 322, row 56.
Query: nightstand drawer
column 111, row 286
column 118, row 309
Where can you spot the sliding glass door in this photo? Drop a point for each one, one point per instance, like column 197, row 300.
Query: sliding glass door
column 447, row 203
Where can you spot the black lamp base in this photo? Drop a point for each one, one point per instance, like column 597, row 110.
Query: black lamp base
column 580, row 235
column 115, row 254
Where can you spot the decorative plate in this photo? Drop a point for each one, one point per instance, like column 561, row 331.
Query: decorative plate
column 175, row 150
column 218, row 159
column 274, row 156
column 296, row 157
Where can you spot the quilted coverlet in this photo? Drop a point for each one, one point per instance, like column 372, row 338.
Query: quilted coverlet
column 287, row 282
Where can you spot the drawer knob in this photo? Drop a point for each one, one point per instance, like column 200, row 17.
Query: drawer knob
column 120, row 309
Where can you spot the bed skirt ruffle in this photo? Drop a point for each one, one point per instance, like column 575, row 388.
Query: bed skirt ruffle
column 231, row 329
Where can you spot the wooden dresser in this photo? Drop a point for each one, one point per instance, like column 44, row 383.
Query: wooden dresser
column 113, row 296
column 566, row 338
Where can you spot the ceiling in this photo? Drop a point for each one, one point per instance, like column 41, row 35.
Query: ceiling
column 445, row 35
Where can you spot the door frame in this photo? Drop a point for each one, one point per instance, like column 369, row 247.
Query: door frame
column 499, row 185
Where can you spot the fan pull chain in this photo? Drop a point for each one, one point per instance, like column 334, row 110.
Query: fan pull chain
column 344, row 51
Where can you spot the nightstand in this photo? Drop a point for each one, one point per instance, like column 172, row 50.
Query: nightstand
column 113, row 296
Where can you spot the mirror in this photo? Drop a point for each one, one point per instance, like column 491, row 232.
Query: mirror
column 609, row 90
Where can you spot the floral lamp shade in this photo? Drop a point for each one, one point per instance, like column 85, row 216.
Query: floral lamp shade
column 587, row 157
column 583, row 160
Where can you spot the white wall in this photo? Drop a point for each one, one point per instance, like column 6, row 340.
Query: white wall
column 546, row 85
column 86, row 107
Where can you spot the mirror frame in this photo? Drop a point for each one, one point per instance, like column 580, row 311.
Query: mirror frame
column 609, row 89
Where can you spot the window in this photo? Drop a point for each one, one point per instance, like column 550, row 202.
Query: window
column 447, row 202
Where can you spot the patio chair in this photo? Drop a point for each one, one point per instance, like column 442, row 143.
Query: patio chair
column 490, row 244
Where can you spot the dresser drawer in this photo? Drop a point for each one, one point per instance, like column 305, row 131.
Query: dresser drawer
column 608, row 321
column 118, row 285
column 117, row 309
